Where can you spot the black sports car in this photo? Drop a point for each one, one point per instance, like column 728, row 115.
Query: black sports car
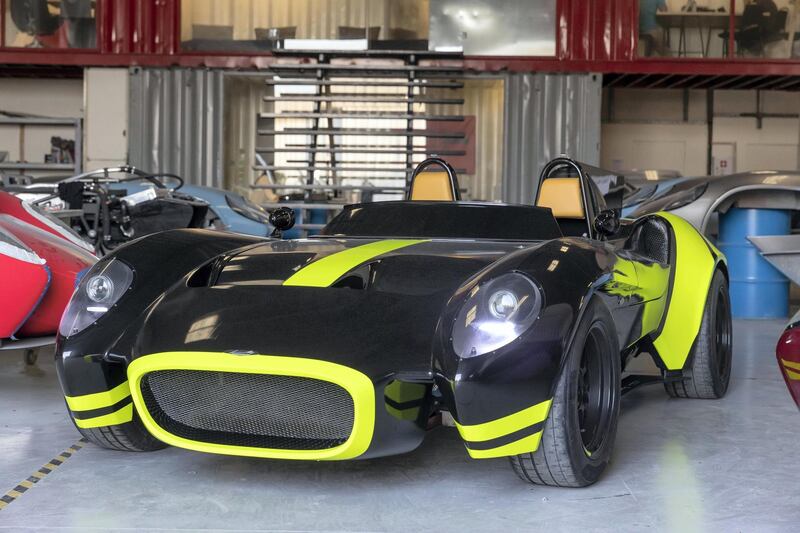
column 516, row 320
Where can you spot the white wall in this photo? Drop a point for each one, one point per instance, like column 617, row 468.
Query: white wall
column 106, row 124
column 648, row 131
column 43, row 97
column 680, row 147
column 773, row 147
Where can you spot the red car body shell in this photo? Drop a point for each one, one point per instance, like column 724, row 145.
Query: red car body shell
column 788, row 353
column 13, row 206
column 38, row 270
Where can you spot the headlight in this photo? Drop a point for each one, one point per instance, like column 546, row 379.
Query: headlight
column 495, row 314
column 97, row 292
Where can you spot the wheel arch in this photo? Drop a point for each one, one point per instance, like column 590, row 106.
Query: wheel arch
column 729, row 196
column 694, row 261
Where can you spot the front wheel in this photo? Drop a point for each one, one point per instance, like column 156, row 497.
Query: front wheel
column 129, row 437
column 710, row 370
column 578, row 437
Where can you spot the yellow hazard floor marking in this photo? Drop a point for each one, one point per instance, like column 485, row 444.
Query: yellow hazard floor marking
column 37, row 476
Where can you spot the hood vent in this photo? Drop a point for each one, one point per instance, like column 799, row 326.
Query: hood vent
column 206, row 275
column 358, row 279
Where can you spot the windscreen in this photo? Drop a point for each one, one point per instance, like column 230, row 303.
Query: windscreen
column 449, row 220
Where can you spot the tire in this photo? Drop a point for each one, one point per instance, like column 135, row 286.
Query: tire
column 709, row 372
column 129, row 437
column 578, row 436
column 31, row 356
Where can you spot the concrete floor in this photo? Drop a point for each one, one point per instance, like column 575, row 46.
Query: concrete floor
column 679, row 465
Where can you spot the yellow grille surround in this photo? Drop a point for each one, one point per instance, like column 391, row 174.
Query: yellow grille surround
column 358, row 385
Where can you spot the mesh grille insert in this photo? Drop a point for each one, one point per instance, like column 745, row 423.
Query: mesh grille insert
column 254, row 410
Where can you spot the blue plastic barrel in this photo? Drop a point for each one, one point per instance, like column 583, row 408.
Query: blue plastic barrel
column 758, row 290
column 317, row 216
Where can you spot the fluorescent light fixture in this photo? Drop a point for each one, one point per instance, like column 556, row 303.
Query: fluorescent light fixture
column 325, row 44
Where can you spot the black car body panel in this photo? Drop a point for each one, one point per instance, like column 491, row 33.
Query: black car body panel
column 387, row 314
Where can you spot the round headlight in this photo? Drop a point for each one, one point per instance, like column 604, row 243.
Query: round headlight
column 100, row 289
column 495, row 314
column 502, row 304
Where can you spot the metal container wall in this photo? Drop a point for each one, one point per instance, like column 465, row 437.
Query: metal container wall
column 176, row 123
column 758, row 290
column 548, row 115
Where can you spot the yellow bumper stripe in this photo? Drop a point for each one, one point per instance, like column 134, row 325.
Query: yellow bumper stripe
column 524, row 445
column 99, row 400
column 794, row 376
column 506, row 425
column 324, row 272
column 117, row 417
column 790, row 364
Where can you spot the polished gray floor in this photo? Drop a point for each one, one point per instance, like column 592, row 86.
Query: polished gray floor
column 680, row 465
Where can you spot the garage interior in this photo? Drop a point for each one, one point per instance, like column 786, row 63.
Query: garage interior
column 305, row 107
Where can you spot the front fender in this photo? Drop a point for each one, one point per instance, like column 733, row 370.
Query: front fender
column 501, row 399
column 86, row 366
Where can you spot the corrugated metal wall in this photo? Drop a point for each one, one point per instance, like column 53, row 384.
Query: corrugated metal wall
column 484, row 100
column 244, row 100
column 176, row 123
column 548, row 115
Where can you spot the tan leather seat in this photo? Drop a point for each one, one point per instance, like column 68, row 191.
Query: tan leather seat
column 432, row 186
column 563, row 197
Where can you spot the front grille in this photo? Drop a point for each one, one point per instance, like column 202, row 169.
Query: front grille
column 253, row 410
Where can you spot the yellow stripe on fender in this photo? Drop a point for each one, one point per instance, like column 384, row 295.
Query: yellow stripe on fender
column 99, row 400
column 324, row 272
column 119, row 416
column 506, row 425
column 694, row 268
column 790, row 364
column 524, row 445
column 794, row 376
column 358, row 385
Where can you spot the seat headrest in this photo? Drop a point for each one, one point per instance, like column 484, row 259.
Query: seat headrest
column 563, row 197
column 432, row 186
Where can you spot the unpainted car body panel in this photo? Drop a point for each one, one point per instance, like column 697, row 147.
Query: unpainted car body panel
column 719, row 191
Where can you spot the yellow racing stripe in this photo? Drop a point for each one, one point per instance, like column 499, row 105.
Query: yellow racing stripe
column 117, row 417
column 506, row 425
column 324, row 272
column 524, row 445
column 790, row 364
column 98, row 400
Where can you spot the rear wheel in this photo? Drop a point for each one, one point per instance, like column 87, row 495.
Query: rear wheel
column 578, row 436
column 129, row 437
column 710, row 370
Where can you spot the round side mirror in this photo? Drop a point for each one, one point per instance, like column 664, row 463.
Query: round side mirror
column 607, row 222
column 283, row 219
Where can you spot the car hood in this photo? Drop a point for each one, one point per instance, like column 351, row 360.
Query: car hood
column 375, row 311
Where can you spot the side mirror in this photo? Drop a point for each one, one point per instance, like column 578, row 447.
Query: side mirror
column 607, row 222
column 283, row 220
